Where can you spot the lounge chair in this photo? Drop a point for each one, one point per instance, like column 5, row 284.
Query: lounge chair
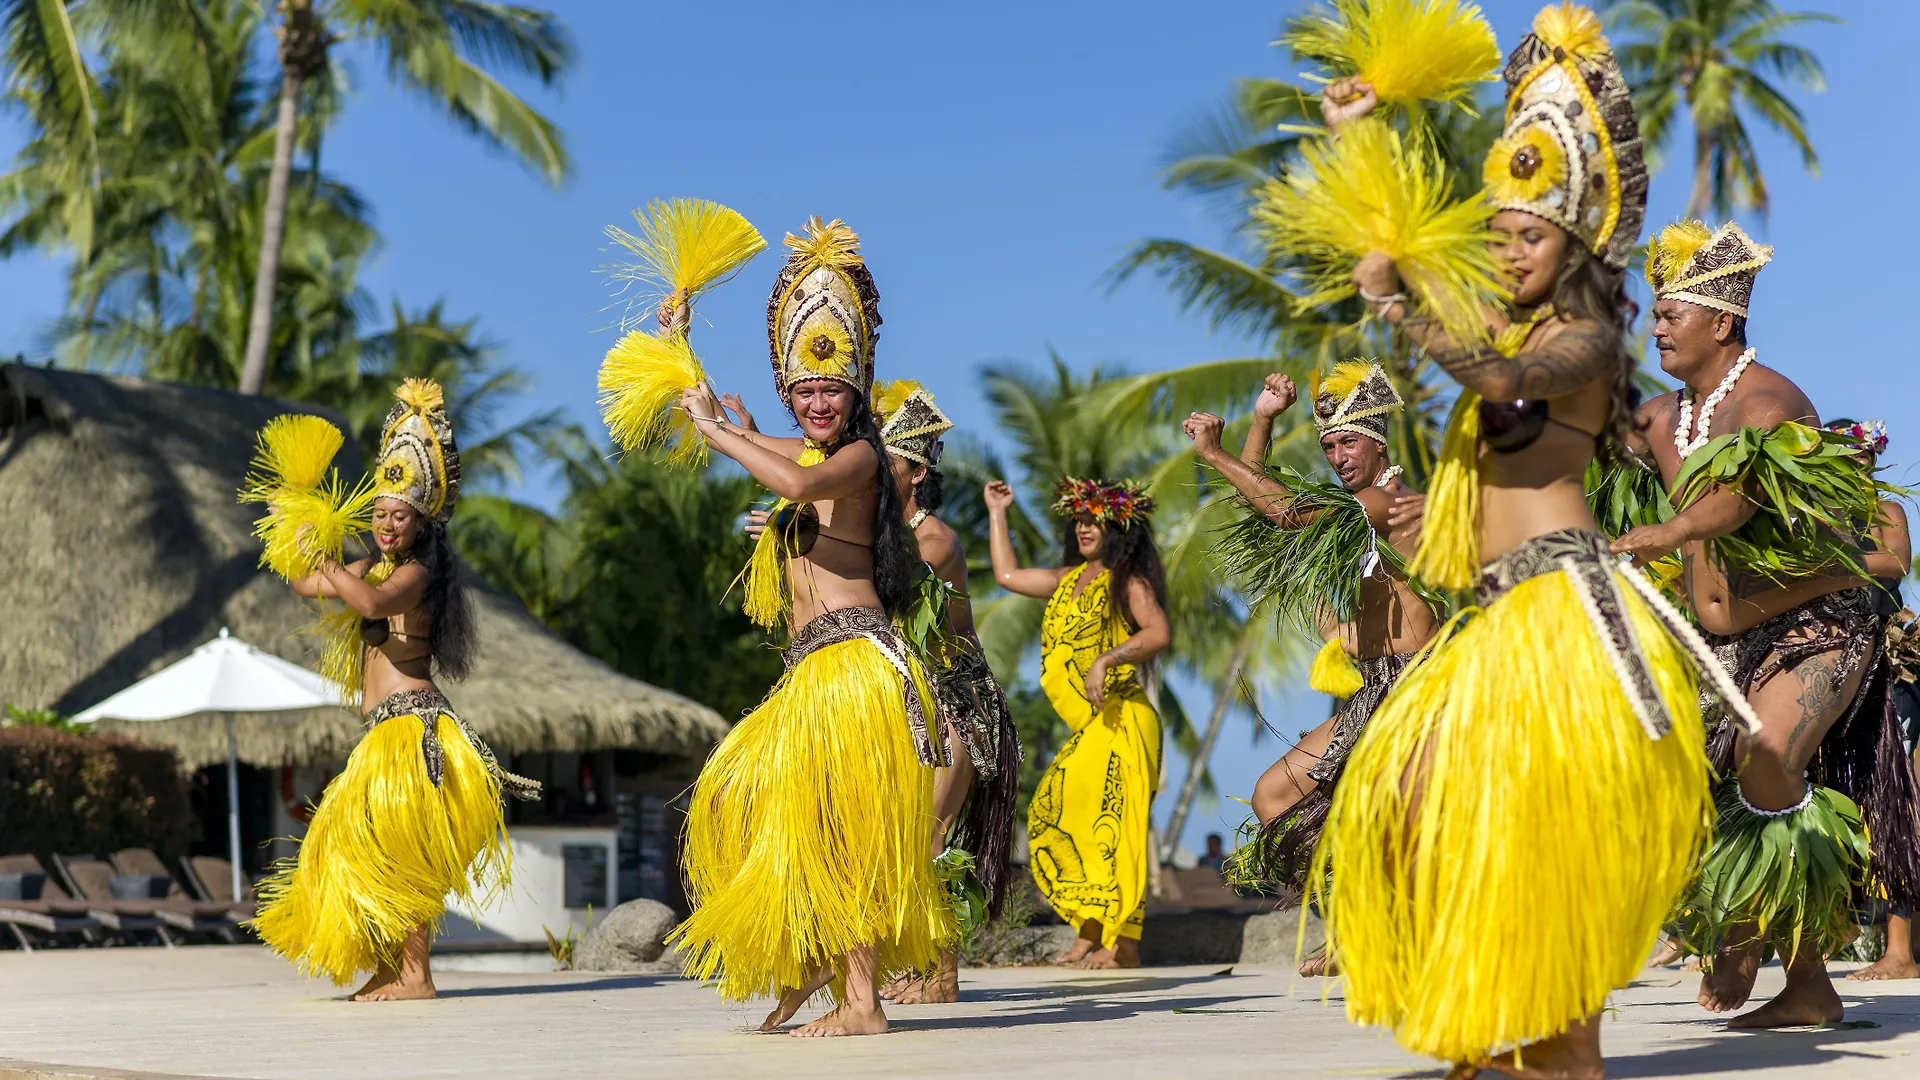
column 177, row 909
column 91, row 879
column 211, row 879
column 54, row 914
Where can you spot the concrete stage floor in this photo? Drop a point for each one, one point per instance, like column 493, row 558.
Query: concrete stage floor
column 239, row 1012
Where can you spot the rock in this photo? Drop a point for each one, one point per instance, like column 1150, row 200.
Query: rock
column 1273, row 937
column 1176, row 939
column 632, row 937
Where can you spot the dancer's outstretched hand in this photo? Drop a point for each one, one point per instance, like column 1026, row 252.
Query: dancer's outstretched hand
column 997, row 494
column 757, row 522
column 1407, row 510
column 1649, row 542
column 1277, row 395
column 699, row 402
column 1204, row 429
column 738, row 409
column 1347, row 99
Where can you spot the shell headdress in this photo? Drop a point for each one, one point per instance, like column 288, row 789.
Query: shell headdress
column 1356, row 397
column 419, row 462
column 1712, row 269
column 910, row 423
column 824, row 315
column 1571, row 150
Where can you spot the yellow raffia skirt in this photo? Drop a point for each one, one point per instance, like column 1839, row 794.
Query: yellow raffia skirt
column 385, row 850
column 1087, row 826
column 1507, row 838
column 807, row 833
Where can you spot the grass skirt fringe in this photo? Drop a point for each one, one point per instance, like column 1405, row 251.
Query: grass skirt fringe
column 1506, row 837
column 809, row 833
column 384, row 851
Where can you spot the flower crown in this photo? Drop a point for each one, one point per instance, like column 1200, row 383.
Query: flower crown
column 1113, row 502
column 1872, row 434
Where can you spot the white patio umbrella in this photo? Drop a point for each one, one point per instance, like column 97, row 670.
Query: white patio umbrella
column 226, row 675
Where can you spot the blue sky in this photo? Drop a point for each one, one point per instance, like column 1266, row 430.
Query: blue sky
column 996, row 158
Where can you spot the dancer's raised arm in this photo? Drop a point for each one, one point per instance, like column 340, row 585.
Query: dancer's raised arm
column 1007, row 571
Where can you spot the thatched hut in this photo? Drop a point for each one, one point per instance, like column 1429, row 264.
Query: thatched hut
column 124, row 547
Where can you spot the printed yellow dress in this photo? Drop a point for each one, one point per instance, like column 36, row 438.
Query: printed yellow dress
column 1088, row 824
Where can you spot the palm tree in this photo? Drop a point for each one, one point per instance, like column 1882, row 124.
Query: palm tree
column 428, row 45
column 1715, row 57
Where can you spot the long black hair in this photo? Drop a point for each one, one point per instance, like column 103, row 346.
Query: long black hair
column 1128, row 553
column 1590, row 289
column 893, row 548
column 451, row 641
column 928, row 492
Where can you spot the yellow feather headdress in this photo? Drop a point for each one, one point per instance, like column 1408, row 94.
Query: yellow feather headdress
column 1408, row 50
column 823, row 317
column 1374, row 190
column 910, row 423
column 1713, row 269
column 1356, row 396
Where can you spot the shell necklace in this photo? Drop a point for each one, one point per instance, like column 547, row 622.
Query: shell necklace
column 1387, row 476
column 1687, row 446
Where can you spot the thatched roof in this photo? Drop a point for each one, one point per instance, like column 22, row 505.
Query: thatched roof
column 122, row 548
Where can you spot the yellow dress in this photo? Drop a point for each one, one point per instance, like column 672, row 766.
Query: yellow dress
column 1087, row 827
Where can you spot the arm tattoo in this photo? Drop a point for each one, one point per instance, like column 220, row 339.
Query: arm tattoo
column 1125, row 652
column 1576, row 356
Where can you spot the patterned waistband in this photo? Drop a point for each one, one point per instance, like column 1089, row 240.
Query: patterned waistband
column 1542, row 554
column 428, row 703
column 871, row 624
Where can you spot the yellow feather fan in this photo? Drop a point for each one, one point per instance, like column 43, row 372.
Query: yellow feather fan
column 1573, row 28
column 641, row 381
column 1373, row 190
column 1334, row 672
column 1409, row 50
column 889, row 396
column 685, row 246
column 310, row 510
column 1673, row 249
column 1345, row 375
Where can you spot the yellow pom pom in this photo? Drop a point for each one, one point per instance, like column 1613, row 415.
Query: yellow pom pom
column 295, row 451
column 1449, row 553
column 1573, row 28
column 889, row 396
column 421, row 395
column 1371, row 190
column 686, row 246
column 1334, row 672
column 310, row 512
column 1346, row 375
column 1409, row 50
column 641, row 381
column 1673, row 249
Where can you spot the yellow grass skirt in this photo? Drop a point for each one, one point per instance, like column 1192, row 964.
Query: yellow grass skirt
column 384, row 851
column 1549, row 840
column 808, row 833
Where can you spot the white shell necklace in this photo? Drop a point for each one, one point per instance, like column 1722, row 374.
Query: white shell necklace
column 1387, row 476
column 1687, row 446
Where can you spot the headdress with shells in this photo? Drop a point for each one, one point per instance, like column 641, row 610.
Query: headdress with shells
column 1712, row 269
column 910, row 423
column 824, row 315
column 419, row 462
column 1571, row 149
column 1356, row 397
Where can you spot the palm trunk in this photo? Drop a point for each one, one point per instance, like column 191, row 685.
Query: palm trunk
column 273, row 229
column 1702, row 175
column 1222, row 699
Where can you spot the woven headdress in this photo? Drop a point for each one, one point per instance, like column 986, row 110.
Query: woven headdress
column 1356, row 397
column 910, row 423
column 1716, row 270
column 419, row 463
column 1571, row 150
column 824, row 315
column 1111, row 502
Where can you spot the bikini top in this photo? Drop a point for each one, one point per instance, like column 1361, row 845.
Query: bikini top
column 1509, row 427
column 798, row 527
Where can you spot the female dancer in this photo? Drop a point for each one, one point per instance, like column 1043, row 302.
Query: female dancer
column 807, row 858
column 415, row 816
column 1543, row 764
column 1089, row 823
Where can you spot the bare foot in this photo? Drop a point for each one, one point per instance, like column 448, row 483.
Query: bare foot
column 1124, row 954
column 900, row 984
column 791, row 1001
column 409, row 987
column 1081, row 947
column 1806, row 1002
column 1726, row 985
column 1887, row 967
column 1572, row 1056
column 1320, row 963
column 1667, row 954
column 845, row 1019
column 376, row 981
column 942, row 987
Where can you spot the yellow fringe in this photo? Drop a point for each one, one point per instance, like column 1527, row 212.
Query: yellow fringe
column 766, row 599
column 293, row 477
column 889, row 396
column 1505, row 837
column 1449, row 553
column 384, row 851
column 687, row 246
column 1334, row 672
column 807, row 833
column 641, row 381
column 1345, row 375
column 1409, row 50
column 1677, row 244
column 1371, row 190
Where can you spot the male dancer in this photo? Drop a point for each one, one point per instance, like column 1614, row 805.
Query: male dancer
column 1388, row 622
column 1815, row 625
